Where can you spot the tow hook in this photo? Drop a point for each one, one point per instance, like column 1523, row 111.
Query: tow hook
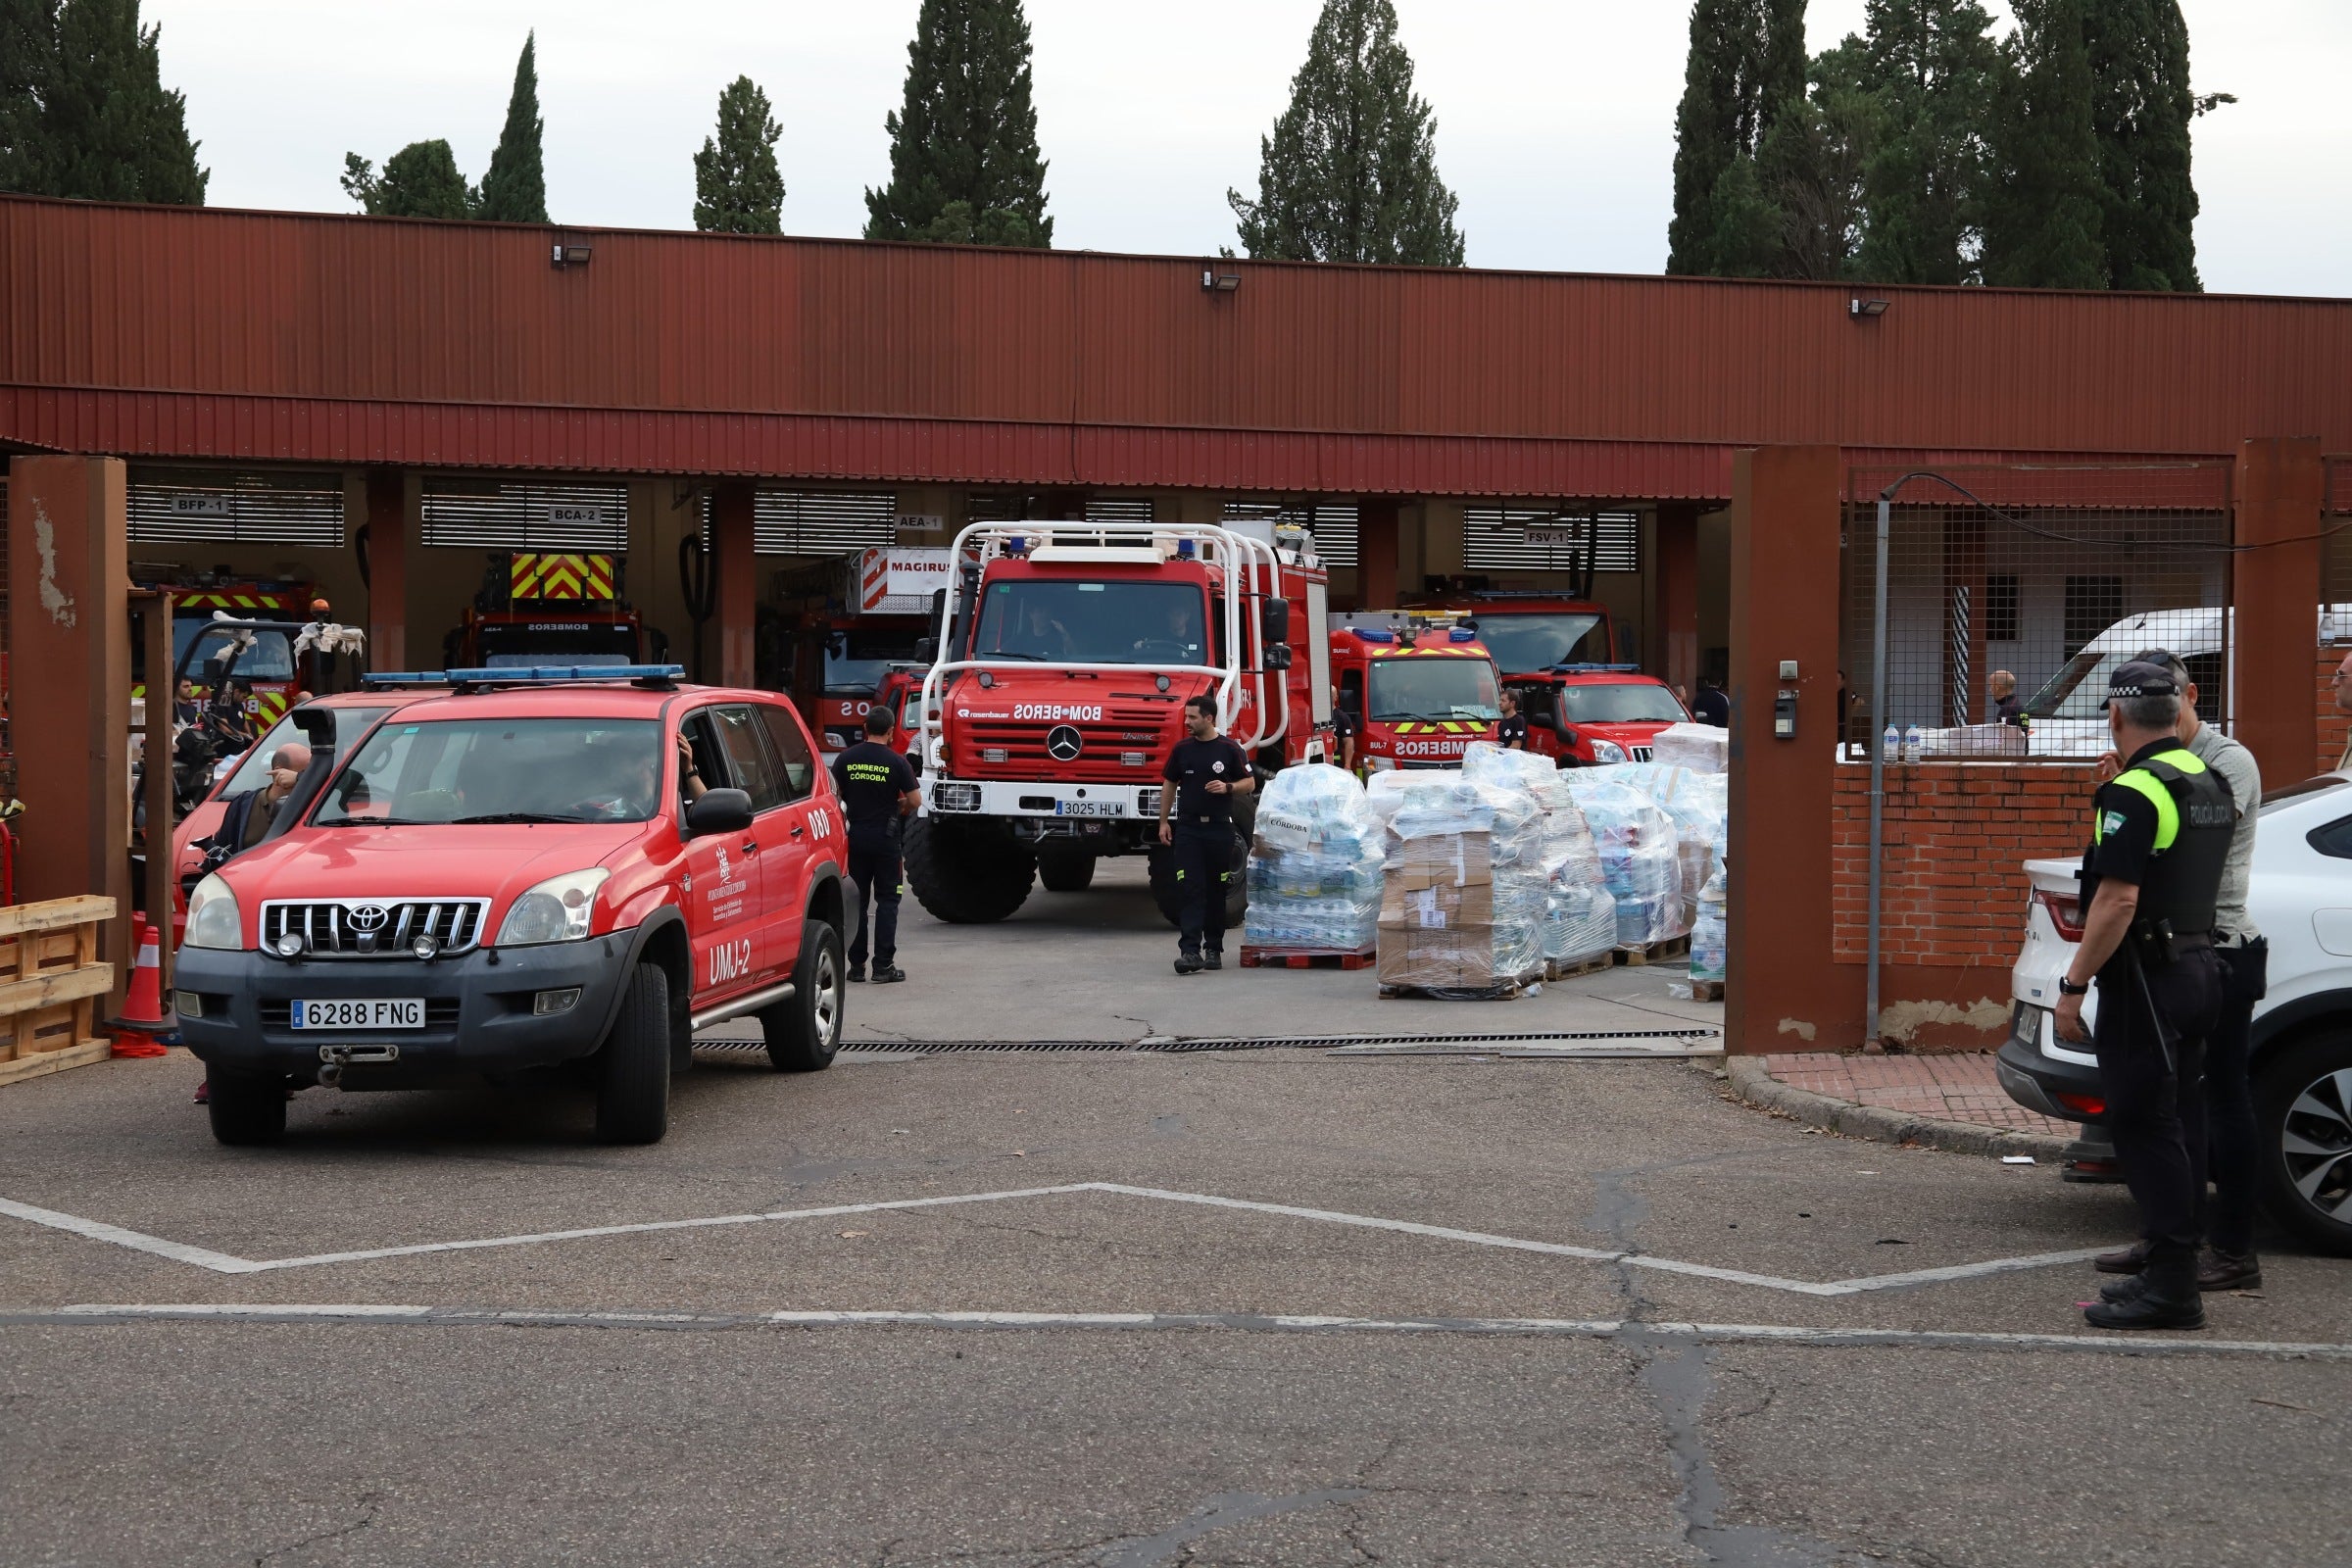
column 334, row 1058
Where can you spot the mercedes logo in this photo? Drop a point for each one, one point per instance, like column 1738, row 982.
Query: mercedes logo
column 367, row 916
column 1063, row 743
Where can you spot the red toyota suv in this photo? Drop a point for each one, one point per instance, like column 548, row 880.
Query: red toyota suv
column 511, row 876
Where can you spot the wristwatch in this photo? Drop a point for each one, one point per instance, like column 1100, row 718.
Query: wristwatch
column 2066, row 988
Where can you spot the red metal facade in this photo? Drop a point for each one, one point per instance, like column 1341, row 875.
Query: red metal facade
column 194, row 333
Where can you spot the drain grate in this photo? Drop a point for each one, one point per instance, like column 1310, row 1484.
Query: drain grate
column 1178, row 1047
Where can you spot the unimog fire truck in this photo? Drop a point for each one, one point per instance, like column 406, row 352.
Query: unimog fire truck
column 1422, row 686
column 538, row 608
column 1066, row 653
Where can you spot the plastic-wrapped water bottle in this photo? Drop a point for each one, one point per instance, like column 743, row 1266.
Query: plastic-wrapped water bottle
column 1890, row 746
column 1915, row 744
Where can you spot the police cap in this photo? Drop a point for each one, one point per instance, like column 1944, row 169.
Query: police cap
column 2137, row 677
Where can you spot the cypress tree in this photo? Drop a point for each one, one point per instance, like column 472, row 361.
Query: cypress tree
column 2142, row 106
column 28, row 63
column 1350, row 172
column 964, row 166
column 2044, row 230
column 1810, row 172
column 420, row 180
column 112, row 132
column 515, row 187
column 1935, row 72
column 1746, row 64
column 737, row 188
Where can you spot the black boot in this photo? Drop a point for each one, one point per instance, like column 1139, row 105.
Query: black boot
column 2166, row 1297
column 2230, row 1271
column 2128, row 1260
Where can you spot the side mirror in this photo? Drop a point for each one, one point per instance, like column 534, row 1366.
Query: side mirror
column 1278, row 655
column 718, row 811
column 1274, row 620
column 926, row 649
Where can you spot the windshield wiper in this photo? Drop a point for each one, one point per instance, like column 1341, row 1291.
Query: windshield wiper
column 1006, row 653
column 377, row 821
column 498, row 818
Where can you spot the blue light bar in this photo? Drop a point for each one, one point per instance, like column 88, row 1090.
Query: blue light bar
column 1461, row 634
column 405, row 677
column 1366, row 634
column 540, row 674
column 1597, row 669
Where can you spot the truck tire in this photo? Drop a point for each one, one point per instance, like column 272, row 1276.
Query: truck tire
column 805, row 1031
column 1162, row 861
column 2303, row 1093
column 632, row 1070
column 1066, row 867
column 968, row 872
column 247, row 1111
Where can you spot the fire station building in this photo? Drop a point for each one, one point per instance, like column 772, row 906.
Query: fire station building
column 372, row 406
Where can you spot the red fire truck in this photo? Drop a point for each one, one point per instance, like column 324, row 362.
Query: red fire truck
column 551, row 608
column 265, row 664
column 863, row 617
column 1066, row 652
column 1531, row 632
column 1423, row 686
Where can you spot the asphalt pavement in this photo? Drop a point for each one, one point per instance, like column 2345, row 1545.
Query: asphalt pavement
column 1115, row 1308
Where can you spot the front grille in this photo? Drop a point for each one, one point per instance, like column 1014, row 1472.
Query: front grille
column 440, row 1012
column 382, row 928
column 1103, row 740
column 1641, row 753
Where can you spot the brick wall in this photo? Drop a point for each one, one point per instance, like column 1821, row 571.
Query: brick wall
column 1952, row 892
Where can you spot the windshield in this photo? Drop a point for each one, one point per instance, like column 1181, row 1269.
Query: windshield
column 1433, row 688
column 2079, row 687
column 857, row 660
column 502, row 770
column 270, row 658
column 252, row 774
column 507, row 645
column 1525, row 642
column 1092, row 623
column 1620, row 703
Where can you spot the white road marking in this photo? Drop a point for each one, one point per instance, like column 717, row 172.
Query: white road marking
column 1630, row 1330
column 223, row 1263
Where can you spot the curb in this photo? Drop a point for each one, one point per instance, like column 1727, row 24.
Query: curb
column 1749, row 1081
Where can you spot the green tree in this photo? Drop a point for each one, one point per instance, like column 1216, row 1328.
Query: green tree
column 738, row 189
column 1935, row 72
column 1745, row 65
column 27, row 63
column 965, row 136
column 1810, row 171
column 420, row 180
column 2044, row 230
column 111, row 130
column 2141, row 106
column 1350, row 172
column 515, row 187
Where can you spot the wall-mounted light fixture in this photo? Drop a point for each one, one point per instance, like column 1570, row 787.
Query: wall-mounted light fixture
column 1216, row 282
column 563, row 254
column 1871, row 309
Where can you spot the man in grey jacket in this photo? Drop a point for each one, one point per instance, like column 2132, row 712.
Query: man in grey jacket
column 2228, row 1138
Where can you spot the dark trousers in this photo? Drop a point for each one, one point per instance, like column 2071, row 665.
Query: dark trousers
column 874, row 869
column 1204, row 853
column 2155, row 1113
column 2230, row 1101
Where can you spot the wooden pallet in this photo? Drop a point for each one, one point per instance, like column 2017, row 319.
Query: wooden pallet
column 1305, row 958
column 51, row 981
column 1569, row 970
column 1424, row 994
column 1675, row 950
column 1706, row 990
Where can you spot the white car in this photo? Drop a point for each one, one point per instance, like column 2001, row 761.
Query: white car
column 2301, row 898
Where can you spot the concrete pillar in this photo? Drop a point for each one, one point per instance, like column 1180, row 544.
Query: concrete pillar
column 2277, row 590
column 1674, row 654
column 1783, row 990
column 737, row 573
column 70, row 645
column 1378, row 543
column 387, row 570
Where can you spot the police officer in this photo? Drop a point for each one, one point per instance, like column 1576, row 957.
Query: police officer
column 1205, row 772
column 1512, row 732
column 2152, row 878
column 877, row 790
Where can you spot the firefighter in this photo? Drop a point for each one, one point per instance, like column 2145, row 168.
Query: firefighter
column 2151, row 881
column 1205, row 772
column 1512, row 731
column 1346, row 725
column 878, row 790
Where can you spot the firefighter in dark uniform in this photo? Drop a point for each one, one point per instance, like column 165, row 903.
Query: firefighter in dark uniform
column 1510, row 732
column 1205, row 772
column 877, row 791
column 2160, row 833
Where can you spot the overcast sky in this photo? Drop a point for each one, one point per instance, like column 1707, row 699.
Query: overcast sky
column 1555, row 117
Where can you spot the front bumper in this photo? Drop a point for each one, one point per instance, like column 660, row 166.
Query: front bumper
column 1111, row 802
column 479, row 1012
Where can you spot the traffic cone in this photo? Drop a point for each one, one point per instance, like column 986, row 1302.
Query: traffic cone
column 143, row 1015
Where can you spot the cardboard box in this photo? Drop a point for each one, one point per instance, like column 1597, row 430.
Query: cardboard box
column 1456, row 959
column 1442, row 908
column 1453, row 860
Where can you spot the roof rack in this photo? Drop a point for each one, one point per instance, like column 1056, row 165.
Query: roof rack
column 649, row 678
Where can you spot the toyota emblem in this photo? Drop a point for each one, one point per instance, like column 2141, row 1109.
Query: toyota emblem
column 1063, row 743
column 367, row 917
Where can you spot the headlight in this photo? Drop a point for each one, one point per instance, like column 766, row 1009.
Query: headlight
column 555, row 911
column 1607, row 752
column 1380, row 764
column 213, row 918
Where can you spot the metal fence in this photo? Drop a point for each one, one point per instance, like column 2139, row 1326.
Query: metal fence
column 2335, row 550
column 2031, row 582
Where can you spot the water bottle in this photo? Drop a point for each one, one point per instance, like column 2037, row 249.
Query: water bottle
column 1915, row 741
column 1890, row 746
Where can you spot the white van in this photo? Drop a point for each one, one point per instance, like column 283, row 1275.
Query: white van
column 2067, row 719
